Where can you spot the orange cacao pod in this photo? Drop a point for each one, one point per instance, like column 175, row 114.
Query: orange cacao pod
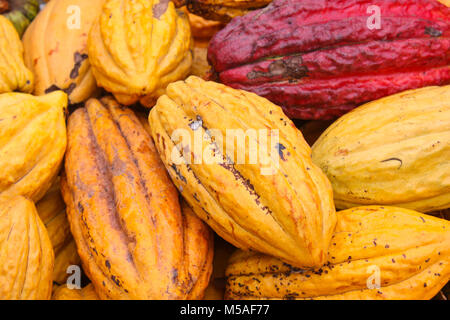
column 124, row 213
column 26, row 253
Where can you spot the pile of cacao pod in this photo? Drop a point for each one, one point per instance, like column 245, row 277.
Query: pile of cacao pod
column 226, row 149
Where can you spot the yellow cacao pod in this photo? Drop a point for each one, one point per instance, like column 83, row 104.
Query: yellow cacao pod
column 277, row 202
column 56, row 48
column 393, row 151
column 26, row 253
column 376, row 253
column 52, row 211
column 124, row 213
column 64, row 293
column 32, row 142
column 138, row 47
column 14, row 76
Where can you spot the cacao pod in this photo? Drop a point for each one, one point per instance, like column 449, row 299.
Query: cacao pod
column 319, row 59
column 64, row 293
column 123, row 210
column 14, row 76
column 222, row 10
column 376, row 253
column 202, row 28
column 280, row 204
column 21, row 13
column 25, row 252
column 56, row 49
column 32, row 142
column 52, row 211
column 4, row 5
column 394, row 151
column 138, row 47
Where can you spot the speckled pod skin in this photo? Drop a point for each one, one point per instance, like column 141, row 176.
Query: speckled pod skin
column 133, row 239
column 52, row 211
column 14, row 76
column 64, row 293
column 319, row 59
column 55, row 46
column 32, row 142
column 222, row 10
column 287, row 212
column 137, row 48
column 25, row 252
column 393, row 151
column 408, row 250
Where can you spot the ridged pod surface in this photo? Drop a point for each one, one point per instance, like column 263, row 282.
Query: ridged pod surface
column 56, row 48
column 65, row 293
column 393, row 151
column 26, row 253
column 405, row 253
column 318, row 59
column 124, row 213
column 271, row 199
column 14, row 76
column 222, row 10
column 32, row 142
column 52, row 211
column 138, row 47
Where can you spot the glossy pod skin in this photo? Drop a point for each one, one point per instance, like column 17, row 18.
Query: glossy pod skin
column 55, row 46
column 376, row 253
column 318, row 59
column 32, row 142
column 25, row 251
column 132, row 237
column 280, row 204
column 136, row 48
column 393, row 151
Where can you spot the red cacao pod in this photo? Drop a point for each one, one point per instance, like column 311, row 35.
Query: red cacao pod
column 321, row 58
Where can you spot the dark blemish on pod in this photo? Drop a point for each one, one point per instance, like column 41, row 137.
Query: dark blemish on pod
column 115, row 280
column 174, row 274
column 290, row 67
column 108, row 264
column 433, row 32
column 160, row 8
column 394, row 159
column 78, row 59
column 52, row 88
column 80, row 207
column 178, row 173
column 280, row 149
